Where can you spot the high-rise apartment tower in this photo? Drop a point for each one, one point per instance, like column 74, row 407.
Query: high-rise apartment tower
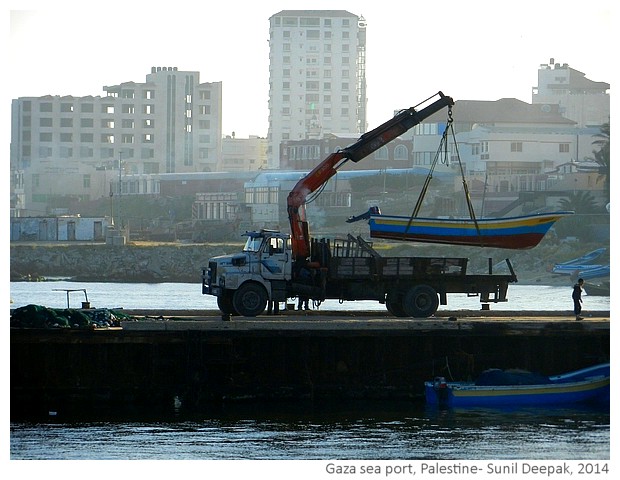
column 317, row 76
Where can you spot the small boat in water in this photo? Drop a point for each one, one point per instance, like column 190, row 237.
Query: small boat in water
column 597, row 290
column 520, row 232
column 495, row 388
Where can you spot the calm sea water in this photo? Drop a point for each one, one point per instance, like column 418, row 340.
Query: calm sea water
column 173, row 296
column 278, row 432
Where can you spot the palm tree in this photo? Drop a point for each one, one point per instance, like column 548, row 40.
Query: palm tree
column 601, row 156
column 579, row 202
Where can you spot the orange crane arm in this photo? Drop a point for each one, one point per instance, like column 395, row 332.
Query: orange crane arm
column 364, row 146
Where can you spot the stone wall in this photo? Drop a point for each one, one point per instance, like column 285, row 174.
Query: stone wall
column 108, row 263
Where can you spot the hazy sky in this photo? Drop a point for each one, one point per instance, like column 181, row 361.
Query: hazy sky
column 471, row 50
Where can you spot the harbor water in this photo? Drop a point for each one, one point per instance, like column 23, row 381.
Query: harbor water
column 184, row 296
column 340, row 431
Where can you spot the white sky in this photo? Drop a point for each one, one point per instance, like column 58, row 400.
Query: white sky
column 470, row 50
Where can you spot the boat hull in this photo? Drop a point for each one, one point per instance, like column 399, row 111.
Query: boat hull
column 585, row 386
column 511, row 233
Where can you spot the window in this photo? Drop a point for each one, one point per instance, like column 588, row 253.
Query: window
column 45, row 107
column 127, row 94
column 66, row 107
column 87, row 108
column 149, row 94
column 127, row 123
column 148, row 109
column 86, row 181
column 313, row 34
column 129, row 109
column 401, row 153
column 516, row 146
column 564, row 148
column 87, row 123
column 45, row 122
column 107, row 123
column 205, row 95
column 107, row 109
column 127, row 138
column 205, row 109
column 107, row 138
column 45, row 137
column 148, row 138
column 86, row 137
column 148, row 123
column 66, row 137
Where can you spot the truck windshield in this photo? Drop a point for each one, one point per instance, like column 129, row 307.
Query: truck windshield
column 253, row 244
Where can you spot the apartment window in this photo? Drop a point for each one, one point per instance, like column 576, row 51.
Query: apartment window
column 286, row 60
column 86, row 137
column 107, row 123
column 107, row 152
column 205, row 109
column 382, row 153
column 127, row 94
column 87, row 108
column 475, row 149
column 345, row 60
column 203, row 153
column 286, row 85
column 45, row 122
column 327, row 22
column 328, row 35
column 127, row 138
column 286, row 47
column 86, row 152
column 345, row 112
column 345, row 86
column 148, row 138
column 327, row 111
column 87, row 123
column 564, row 148
column 107, row 109
column 128, row 109
column 107, row 138
column 286, row 73
column 86, row 181
column 204, row 138
column 148, row 123
column 484, row 146
column 149, row 94
column 66, row 107
column 66, row 137
column 127, row 123
column 65, row 152
column 312, row 85
column 45, row 107
column 327, row 85
column 345, row 99
column 148, row 109
column 345, row 22
column 313, row 34
column 45, row 137
column 345, row 48
column 516, row 146
column 345, row 35
column 204, row 124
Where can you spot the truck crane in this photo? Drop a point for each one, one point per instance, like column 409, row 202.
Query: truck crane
column 275, row 266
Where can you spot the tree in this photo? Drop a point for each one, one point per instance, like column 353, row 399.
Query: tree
column 579, row 202
column 601, row 155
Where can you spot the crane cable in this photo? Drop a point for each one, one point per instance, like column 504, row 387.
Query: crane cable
column 443, row 144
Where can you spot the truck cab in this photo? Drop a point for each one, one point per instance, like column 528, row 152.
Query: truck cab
column 244, row 282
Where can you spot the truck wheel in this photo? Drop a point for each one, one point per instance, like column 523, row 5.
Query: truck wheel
column 394, row 304
column 225, row 303
column 250, row 300
column 421, row 301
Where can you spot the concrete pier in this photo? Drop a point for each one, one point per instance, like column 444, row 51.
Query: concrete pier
column 190, row 360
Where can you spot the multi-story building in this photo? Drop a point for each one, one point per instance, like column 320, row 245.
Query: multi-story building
column 580, row 99
column 317, row 76
column 243, row 154
column 82, row 146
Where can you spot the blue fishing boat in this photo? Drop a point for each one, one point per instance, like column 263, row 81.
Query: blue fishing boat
column 520, row 232
column 498, row 388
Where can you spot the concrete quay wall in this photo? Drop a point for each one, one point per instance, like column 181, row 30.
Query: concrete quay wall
column 192, row 364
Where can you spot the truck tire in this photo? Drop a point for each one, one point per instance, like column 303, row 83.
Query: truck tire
column 394, row 304
column 421, row 301
column 225, row 303
column 250, row 300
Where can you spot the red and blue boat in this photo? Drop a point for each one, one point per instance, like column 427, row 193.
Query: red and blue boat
column 499, row 388
column 520, row 232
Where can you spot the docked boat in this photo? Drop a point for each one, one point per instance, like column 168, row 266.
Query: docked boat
column 597, row 290
column 499, row 388
column 520, row 232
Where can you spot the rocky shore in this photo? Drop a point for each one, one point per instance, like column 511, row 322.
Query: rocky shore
column 177, row 262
